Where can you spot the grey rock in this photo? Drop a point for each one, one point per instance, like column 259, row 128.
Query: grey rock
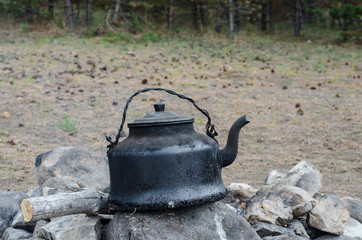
column 72, row 227
column 329, row 214
column 36, row 192
column 354, row 207
column 318, row 196
column 37, row 233
column 84, row 167
column 303, row 175
column 269, row 210
column 298, row 228
column 353, row 228
column 284, row 237
column 302, row 209
column 18, row 222
column 293, row 196
column 290, row 196
column 58, row 185
column 210, row 221
column 294, row 188
column 15, row 234
column 9, row 207
column 274, row 177
column 334, row 237
column 262, row 193
column 266, row 229
column 242, row 190
column 311, row 231
column 46, row 191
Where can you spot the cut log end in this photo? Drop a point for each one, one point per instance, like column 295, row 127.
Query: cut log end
column 27, row 209
column 45, row 207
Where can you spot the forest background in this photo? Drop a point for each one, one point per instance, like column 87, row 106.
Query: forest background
column 137, row 16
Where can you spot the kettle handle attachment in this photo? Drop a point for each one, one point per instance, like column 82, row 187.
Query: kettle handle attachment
column 210, row 129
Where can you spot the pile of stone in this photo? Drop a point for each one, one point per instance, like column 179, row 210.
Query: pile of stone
column 288, row 206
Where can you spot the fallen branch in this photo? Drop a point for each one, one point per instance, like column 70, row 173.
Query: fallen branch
column 107, row 21
column 87, row 201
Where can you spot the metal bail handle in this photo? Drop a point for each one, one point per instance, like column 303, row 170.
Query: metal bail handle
column 210, row 129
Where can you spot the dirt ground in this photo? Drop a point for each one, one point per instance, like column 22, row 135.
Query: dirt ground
column 303, row 99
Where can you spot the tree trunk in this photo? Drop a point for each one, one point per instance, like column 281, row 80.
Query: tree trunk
column 77, row 15
column 345, row 25
column 309, row 16
column 117, row 10
column 202, row 14
column 251, row 12
column 87, row 201
column 298, row 17
column 339, row 23
column 197, row 17
column 170, row 14
column 51, row 8
column 264, row 14
column 88, row 15
column 271, row 17
column 134, row 16
column 231, row 20
column 302, row 15
column 29, row 11
column 218, row 17
column 237, row 15
column 68, row 14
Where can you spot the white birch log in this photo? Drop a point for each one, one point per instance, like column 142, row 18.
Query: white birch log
column 87, row 201
column 231, row 19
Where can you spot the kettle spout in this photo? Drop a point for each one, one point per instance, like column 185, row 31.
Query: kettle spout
column 228, row 154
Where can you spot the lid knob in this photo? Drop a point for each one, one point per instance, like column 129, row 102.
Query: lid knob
column 159, row 107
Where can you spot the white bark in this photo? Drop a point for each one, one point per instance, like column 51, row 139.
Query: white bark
column 116, row 11
column 231, row 20
column 87, row 201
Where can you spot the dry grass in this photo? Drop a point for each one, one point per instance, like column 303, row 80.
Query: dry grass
column 261, row 76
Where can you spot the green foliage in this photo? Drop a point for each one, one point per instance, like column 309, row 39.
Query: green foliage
column 347, row 35
column 142, row 17
column 120, row 37
column 20, row 8
column 123, row 37
column 336, row 12
column 177, row 30
column 319, row 14
column 150, row 37
column 94, row 31
column 24, row 27
column 11, row 7
column 67, row 125
column 137, row 25
column 250, row 27
column 346, row 11
column 2, row 7
column 349, row 11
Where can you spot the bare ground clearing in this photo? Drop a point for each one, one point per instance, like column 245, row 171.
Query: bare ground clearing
column 303, row 100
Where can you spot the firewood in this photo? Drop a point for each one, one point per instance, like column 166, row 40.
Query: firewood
column 86, row 201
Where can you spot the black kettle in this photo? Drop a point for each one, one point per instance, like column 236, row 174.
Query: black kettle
column 164, row 163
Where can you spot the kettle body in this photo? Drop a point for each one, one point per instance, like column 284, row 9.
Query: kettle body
column 161, row 167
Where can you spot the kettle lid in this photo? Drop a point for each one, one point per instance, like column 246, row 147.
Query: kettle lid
column 160, row 117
